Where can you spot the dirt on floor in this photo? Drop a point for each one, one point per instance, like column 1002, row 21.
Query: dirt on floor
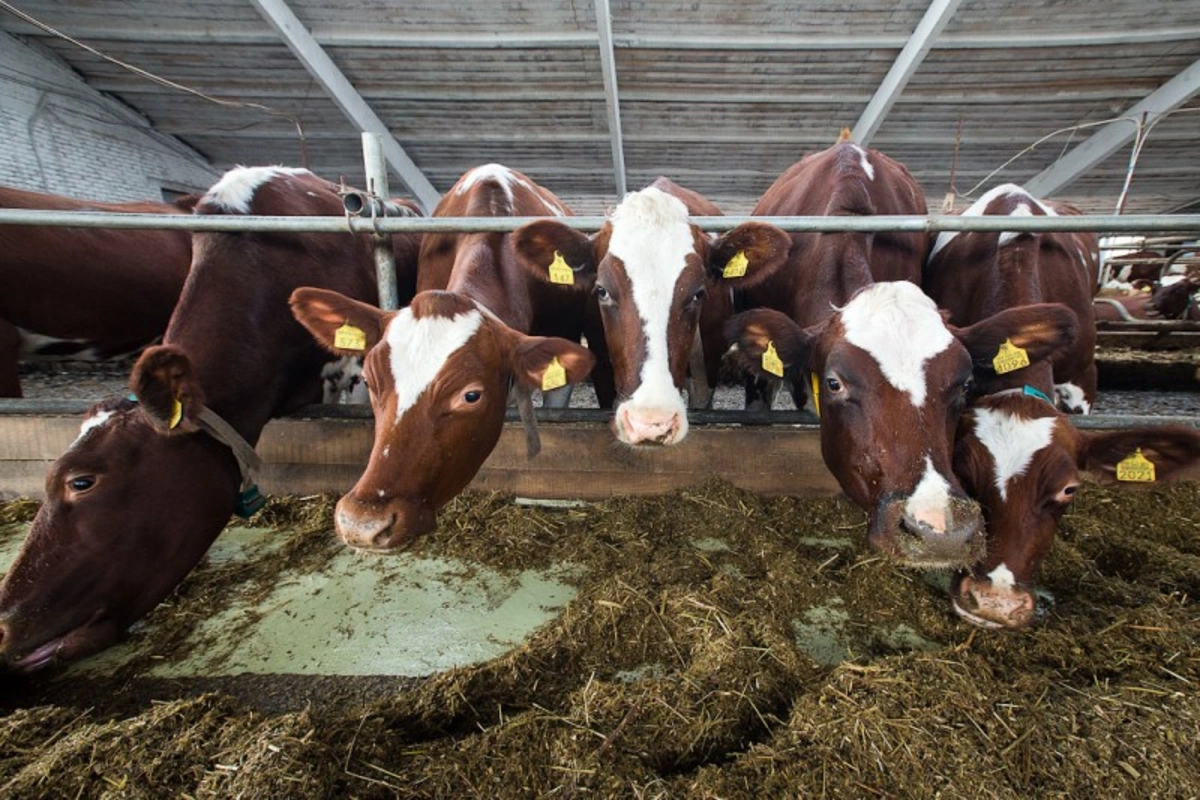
column 720, row 645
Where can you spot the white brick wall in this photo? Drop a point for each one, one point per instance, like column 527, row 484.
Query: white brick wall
column 59, row 135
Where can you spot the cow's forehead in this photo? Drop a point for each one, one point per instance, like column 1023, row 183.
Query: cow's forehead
column 652, row 237
column 420, row 346
column 1012, row 440
column 93, row 422
column 901, row 328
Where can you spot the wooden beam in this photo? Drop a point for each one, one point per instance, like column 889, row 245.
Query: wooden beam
column 905, row 66
column 318, row 63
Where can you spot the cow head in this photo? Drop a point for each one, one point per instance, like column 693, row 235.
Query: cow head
column 1022, row 460
column 80, row 580
column 892, row 380
column 652, row 272
column 439, row 373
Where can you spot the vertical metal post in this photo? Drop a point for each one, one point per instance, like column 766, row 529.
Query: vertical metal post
column 377, row 187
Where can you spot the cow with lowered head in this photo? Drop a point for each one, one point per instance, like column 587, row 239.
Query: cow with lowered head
column 887, row 375
column 440, row 372
column 1016, row 452
column 651, row 271
column 136, row 500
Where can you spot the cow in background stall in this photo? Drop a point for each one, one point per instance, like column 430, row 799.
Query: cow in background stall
column 1016, row 451
column 652, row 272
column 974, row 274
column 85, row 293
column 440, row 371
column 844, row 315
column 136, row 500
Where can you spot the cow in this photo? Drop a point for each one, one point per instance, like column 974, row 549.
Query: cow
column 846, row 317
column 136, row 500
column 1176, row 297
column 1022, row 459
column 439, row 372
column 653, row 278
column 974, row 274
column 1016, row 452
column 85, row 293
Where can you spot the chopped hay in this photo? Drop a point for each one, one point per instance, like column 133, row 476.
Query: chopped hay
column 680, row 669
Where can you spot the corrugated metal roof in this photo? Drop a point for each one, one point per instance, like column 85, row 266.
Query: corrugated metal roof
column 720, row 96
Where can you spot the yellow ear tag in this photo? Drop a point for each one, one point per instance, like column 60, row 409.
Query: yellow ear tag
column 349, row 337
column 560, row 272
column 736, row 266
column 771, row 362
column 816, row 391
column 1009, row 358
column 1136, row 468
column 554, row 376
column 176, row 414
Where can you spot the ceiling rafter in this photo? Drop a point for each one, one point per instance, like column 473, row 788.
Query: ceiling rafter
column 1110, row 138
column 903, row 68
column 318, row 63
column 612, row 100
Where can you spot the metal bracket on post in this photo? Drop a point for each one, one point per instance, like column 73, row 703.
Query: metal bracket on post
column 377, row 190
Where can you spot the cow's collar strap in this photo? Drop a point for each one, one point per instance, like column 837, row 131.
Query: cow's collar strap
column 249, row 498
column 1030, row 391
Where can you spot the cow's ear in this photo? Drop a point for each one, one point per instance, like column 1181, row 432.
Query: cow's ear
column 1042, row 331
column 555, row 253
column 748, row 254
column 167, row 389
column 1121, row 456
column 761, row 336
column 547, row 362
column 343, row 326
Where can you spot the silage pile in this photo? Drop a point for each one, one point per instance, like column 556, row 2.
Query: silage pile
column 695, row 662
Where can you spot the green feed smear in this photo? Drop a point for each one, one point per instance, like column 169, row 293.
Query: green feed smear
column 718, row 644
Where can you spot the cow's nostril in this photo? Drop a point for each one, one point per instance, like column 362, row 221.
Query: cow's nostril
column 380, row 540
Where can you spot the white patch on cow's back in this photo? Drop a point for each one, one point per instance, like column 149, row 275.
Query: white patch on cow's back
column 977, row 208
column 1171, row 280
column 1002, row 577
column 900, row 327
column 930, row 500
column 420, row 348
column 1072, row 399
column 235, row 190
column 865, row 161
column 506, row 179
column 1012, row 441
column 653, row 238
column 97, row 420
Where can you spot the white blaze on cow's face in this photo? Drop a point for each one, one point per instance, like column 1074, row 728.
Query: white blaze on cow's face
column 650, row 243
column 900, row 327
column 420, row 347
column 1012, row 441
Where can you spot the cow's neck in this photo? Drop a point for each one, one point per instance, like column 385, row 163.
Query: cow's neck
column 843, row 268
column 485, row 271
column 1017, row 280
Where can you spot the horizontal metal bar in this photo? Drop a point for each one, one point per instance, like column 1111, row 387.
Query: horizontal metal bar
column 553, row 416
column 295, row 224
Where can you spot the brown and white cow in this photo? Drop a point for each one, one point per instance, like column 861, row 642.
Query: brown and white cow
column 84, row 293
column 136, row 500
column 440, row 371
column 1022, row 459
column 892, row 374
column 1016, row 453
column 654, row 280
column 974, row 274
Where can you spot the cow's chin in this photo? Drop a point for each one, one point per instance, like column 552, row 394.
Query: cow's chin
column 982, row 602
column 94, row 635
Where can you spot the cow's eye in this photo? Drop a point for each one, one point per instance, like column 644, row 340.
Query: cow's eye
column 698, row 295
column 603, row 294
column 833, row 385
column 81, row 483
column 472, row 396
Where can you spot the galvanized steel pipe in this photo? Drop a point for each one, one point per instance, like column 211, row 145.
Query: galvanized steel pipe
column 1105, row 223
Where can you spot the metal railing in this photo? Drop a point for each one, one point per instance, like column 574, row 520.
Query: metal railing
column 1105, row 223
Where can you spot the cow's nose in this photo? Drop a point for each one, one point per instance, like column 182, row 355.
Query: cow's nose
column 953, row 536
column 649, row 425
column 361, row 527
